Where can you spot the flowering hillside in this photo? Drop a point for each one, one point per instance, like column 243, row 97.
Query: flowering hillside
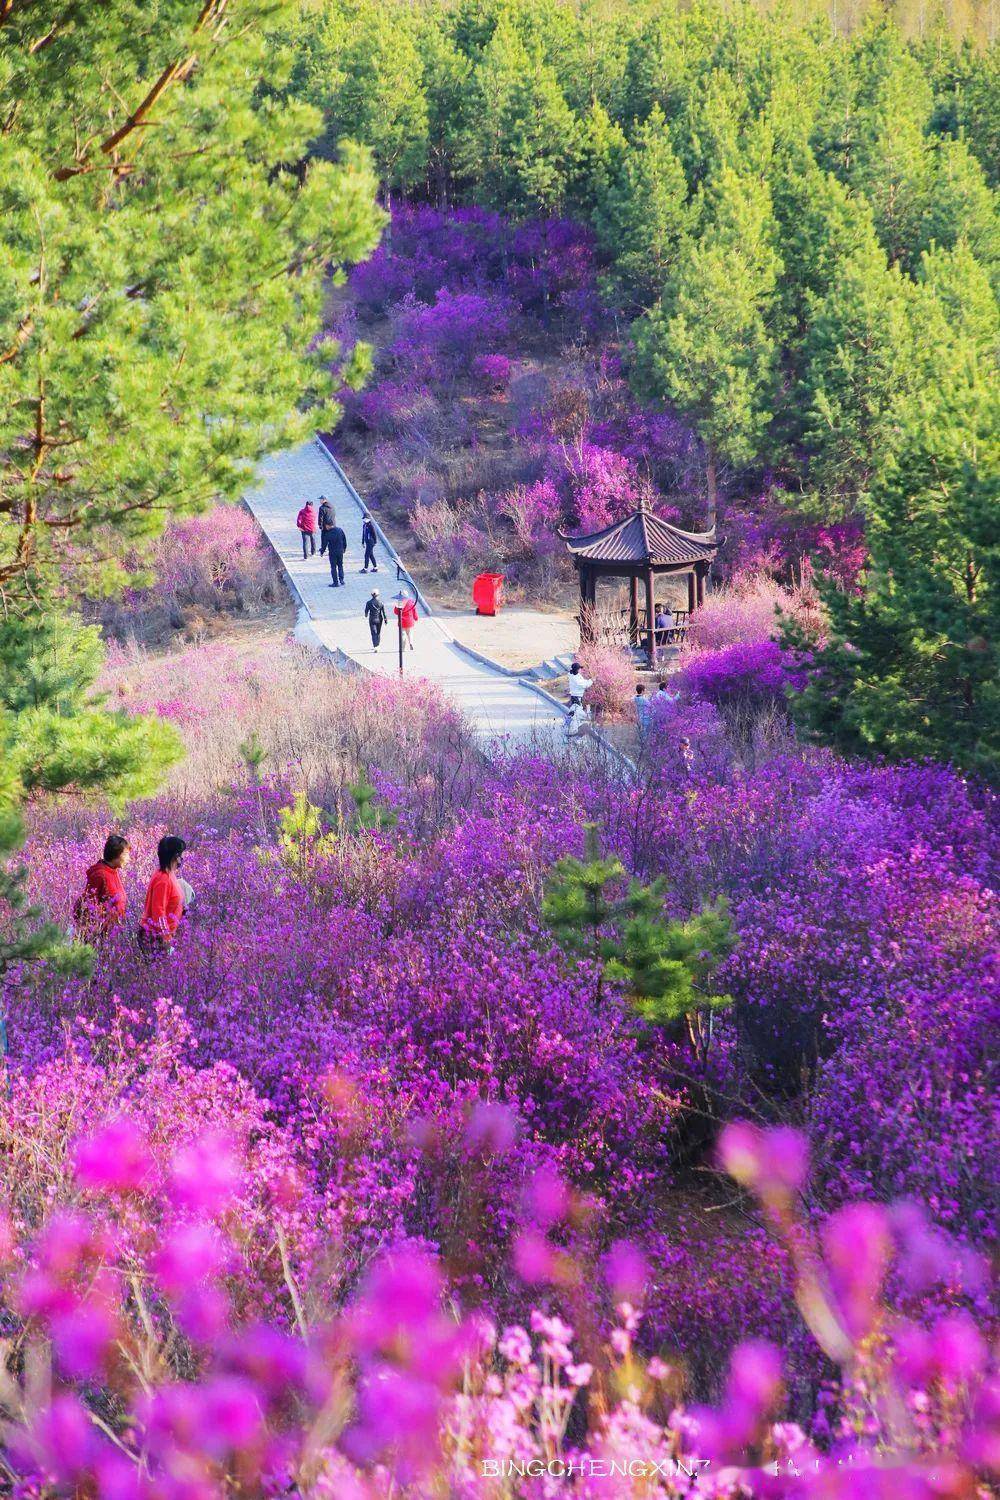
column 396, row 1109
column 370, row 1040
column 499, row 410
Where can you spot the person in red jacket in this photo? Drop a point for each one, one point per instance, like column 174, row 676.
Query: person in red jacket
column 306, row 522
column 407, row 618
column 161, row 915
column 101, row 906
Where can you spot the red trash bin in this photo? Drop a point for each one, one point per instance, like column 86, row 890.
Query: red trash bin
column 487, row 593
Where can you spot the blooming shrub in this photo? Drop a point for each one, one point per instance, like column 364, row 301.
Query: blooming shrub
column 743, row 675
column 389, row 1024
column 604, row 486
column 218, row 561
column 746, row 611
column 218, row 694
column 534, row 511
column 494, row 370
column 613, row 674
column 442, row 340
column 449, row 538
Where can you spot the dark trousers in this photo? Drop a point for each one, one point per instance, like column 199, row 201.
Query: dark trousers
column 308, row 544
column 370, row 557
column 375, row 626
column 324, row 540
column 337, row 567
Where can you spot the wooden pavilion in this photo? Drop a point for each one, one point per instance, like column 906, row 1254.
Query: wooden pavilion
column 642, row 548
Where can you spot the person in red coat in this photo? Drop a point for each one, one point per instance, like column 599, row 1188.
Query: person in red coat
column 407, row 614
column 161, row 915
column 101, row 906
column 306, row 522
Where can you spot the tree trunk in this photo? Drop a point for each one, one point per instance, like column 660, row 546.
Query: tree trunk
column 712, row 487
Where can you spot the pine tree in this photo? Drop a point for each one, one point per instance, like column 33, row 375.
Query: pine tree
column 59, row 734
column 642, row 215
column 365, row 73
column 857, row 361
column 706, row 346
column 666, row 967
column 978, row 110
column 303, row 840
column 911, row 668
column 446, row 74
column 26, row 933
column 143, row 372
column 659, row 64
column 871, row 132
column 369, row 816
column 577, row 905
column 523, row 140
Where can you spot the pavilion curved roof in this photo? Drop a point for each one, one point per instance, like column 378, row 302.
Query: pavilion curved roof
column 643, row 540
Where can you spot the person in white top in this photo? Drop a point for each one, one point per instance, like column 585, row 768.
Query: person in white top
column 577, row 684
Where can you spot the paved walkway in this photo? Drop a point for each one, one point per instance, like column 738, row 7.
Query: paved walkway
column 497, row 706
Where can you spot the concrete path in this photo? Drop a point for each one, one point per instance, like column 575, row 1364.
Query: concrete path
column 497, row 705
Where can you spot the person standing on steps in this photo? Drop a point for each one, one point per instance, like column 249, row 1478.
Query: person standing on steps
column 306, row 522
column 577, row 684
column 369, row 536
column 377, row 617
column 336, row 546
column 407, row 618
column 327, row 521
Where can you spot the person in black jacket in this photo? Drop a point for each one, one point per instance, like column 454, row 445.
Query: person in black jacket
column 327, row 520
column 369, row 536
column 336, row 546
column 377, row 617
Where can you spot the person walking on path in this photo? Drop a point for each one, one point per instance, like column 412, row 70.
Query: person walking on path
column 306, row 522
column 327, row 521
column 377, row 617
column 165, row 905
column 577, row 685
column 369, row 536
column 336, row 546
column 407, row 618
column 101, row 906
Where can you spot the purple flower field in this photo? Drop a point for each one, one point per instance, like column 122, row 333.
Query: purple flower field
column 367, row 1071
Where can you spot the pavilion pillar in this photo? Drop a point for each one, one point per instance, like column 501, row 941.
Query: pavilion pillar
column 692, row 593
column 585, row 620
column 700, row 589
column 633, row 612
column 650, row 618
